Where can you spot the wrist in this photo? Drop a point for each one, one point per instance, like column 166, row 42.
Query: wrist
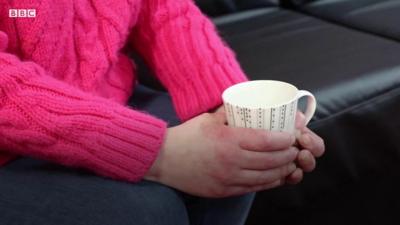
column 155, row 173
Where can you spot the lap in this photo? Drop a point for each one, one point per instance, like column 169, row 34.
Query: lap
column 36, row 192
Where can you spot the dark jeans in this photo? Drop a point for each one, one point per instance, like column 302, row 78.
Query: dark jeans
column 35, row 192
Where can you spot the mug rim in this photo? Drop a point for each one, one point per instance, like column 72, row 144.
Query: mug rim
column 260, row 81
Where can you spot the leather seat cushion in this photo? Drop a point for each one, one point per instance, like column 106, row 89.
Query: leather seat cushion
column 375, row 16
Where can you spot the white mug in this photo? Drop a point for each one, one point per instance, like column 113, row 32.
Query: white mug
column 265, row 104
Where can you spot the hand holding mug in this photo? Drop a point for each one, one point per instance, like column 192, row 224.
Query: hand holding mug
column 204, row 157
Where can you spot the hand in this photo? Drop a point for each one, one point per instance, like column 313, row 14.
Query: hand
column 311, row 146
column 204, row 157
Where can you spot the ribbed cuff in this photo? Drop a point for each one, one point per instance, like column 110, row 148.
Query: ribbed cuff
column 105, row 137
column 129, row 144
column 193, row 98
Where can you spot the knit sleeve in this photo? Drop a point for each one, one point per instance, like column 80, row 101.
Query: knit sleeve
column 45, row 118
column 186, row 53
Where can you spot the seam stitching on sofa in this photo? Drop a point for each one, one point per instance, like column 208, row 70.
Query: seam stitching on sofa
column 341, row 24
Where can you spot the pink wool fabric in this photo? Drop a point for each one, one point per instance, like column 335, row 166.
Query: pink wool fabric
column 65, row 80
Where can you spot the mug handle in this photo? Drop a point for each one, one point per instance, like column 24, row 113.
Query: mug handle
column 311, row 104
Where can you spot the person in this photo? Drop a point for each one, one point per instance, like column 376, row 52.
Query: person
column 83, row 143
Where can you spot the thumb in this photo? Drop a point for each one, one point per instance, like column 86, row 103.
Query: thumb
column 219, row 115
column 300, row 123
column 300, row 120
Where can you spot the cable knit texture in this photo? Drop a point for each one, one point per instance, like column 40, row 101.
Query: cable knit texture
column 65, row 81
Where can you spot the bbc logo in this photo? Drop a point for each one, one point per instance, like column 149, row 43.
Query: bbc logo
column 13, row 13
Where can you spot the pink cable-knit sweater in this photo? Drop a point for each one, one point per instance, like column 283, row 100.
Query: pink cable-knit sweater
column 64, row 80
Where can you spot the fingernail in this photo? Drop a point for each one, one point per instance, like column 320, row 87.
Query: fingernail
column 304, row 156
column 294, row 149
column 306, row 139
column 293, row 138
column 297, row 133
column 292, row 167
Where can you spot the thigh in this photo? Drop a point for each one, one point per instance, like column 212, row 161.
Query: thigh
column 34, row 192
column 232, row 210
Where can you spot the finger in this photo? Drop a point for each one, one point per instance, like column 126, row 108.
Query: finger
column 256, row 177
column 266, row 160
column 241, row 190
column 263, row 187
column 309, row 140
column 306, row 161
column 262, row 140
column 295, row 177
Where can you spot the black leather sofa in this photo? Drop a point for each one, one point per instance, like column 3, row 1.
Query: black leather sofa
column 347, row 52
